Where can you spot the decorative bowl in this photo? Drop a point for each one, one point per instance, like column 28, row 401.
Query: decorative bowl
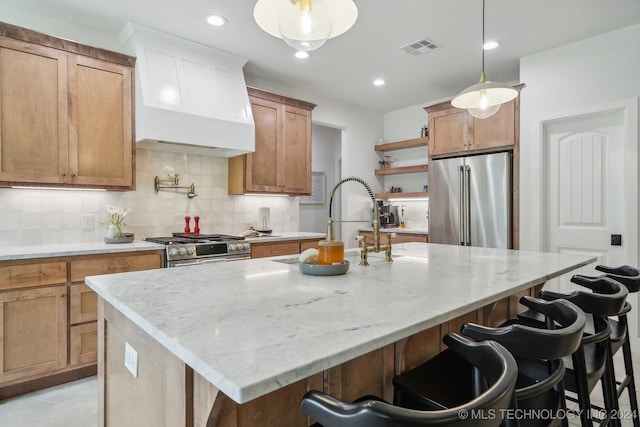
column 127, row 238
column 324, row 270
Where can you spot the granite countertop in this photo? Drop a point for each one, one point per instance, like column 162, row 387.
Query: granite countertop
column 251, row 327
column 70, row 249
column 399, row 230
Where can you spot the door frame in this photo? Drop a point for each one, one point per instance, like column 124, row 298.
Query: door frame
column 631, row 240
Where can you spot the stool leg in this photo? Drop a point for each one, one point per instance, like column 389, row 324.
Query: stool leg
column 609, row 389
column 582, row 390
column 628, row 369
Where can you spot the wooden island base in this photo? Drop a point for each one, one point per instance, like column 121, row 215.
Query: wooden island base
column 167, row 392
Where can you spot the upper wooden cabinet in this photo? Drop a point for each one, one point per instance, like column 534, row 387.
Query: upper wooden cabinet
column 454, row 132
column 281, row 163
column 66, row 113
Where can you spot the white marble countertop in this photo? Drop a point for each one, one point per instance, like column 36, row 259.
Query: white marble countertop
column 251, row 327
column 70, row 249
column 399, row 230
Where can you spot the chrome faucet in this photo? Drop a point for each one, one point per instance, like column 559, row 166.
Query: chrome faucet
column 364, row 249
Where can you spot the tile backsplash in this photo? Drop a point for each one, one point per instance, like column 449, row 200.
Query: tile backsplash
column 48, row 216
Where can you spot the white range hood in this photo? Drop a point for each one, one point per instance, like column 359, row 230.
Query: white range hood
column 189, row 97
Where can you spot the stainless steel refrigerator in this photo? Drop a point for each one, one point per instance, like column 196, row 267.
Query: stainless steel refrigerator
column 470, row 201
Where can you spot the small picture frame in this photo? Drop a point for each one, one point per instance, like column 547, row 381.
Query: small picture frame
column 317, row 197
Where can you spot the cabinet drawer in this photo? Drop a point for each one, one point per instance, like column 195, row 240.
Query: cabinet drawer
column 81, row 268
column 310, row 244
column 84, row 344
column 274, row 249
column 84, row 304
column 27, row 275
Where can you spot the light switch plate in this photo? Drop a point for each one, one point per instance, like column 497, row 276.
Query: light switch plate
column 87, row 222
column 131, row 359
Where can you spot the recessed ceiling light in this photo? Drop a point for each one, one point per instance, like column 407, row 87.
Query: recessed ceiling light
column 490, row 45
column 301, row 54
column 216, row 20
column 379, row 82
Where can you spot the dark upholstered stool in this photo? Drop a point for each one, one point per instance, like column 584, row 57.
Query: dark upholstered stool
column 497, row 372
column 538, row 351
column 630, row 278
column 592, row 362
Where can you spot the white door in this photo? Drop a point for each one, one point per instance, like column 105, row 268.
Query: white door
column 587, row 187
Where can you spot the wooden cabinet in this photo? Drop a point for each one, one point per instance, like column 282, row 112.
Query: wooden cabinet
column 48, row 329
column 399, row 238
column 292, row 247
column 401, row 145
column 33, row 328
column 66, row 113
column 281, row 163
column 83, row 302
column 454, row 132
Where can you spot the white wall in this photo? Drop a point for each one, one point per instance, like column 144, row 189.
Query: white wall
column 325, row 149
column 588, row 73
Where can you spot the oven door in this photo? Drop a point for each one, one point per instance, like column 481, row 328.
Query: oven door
column 204, row 260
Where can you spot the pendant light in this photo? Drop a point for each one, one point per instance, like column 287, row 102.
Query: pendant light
column 483, row 99
column 305, row 25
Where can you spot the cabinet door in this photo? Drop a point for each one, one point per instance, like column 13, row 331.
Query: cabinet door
column 496, row 131
column 448, row 132
column 84, row 344
column 83, row 304
column 262, row 167
column 296, row 151
column 101, row 128
column 33, row 113
column 33, row 332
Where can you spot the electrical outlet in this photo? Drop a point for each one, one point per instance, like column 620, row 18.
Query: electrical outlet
column 87, row 222
column 131, row 359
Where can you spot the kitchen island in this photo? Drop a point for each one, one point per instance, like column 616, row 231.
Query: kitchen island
column 238, row 344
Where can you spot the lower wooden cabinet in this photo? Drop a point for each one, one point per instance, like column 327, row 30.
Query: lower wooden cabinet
column 33, row 328
column 268, row 249
column 83, row 341
column 399, row 238
column 48, row 328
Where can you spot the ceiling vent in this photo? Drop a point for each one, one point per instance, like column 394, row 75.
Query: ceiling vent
column 419, row 47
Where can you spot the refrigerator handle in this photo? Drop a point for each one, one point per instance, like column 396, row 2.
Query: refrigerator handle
column 461, row 204
column 467, row 204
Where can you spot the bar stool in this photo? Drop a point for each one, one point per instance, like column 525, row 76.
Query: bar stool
column 592, row 362
column 538, row 351
column 630, row 278
column 496, row 378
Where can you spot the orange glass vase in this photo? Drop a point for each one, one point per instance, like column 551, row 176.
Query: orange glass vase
column 330, row 252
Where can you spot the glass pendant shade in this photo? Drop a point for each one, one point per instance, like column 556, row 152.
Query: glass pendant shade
column 305, row 24
column 304, row 29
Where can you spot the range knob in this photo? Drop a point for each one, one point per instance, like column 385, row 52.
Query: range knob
column 232, row 248
column 191, row 250
column 182, row 251
column 173, row 252
column 246, row 247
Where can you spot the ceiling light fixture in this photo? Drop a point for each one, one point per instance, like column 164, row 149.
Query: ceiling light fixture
column 379, row 82
column 303, row 25
column 216, row 20
column 483, row 99
column 301, row 54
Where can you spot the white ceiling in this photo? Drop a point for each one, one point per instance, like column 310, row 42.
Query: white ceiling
column 345, row 66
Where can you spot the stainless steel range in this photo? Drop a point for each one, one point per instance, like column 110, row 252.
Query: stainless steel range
column 188, row 249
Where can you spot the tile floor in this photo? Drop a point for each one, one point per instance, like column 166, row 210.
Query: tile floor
column 75, row 404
